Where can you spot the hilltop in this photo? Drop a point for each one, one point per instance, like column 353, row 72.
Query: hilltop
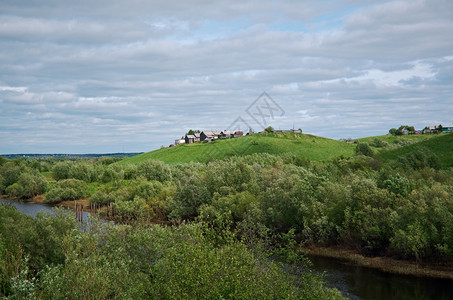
column 304, row 145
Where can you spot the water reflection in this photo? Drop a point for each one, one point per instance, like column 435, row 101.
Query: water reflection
column 366, row 283
column 32, row 209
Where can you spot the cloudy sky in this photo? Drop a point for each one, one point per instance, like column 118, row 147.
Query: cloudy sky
column 126, row 76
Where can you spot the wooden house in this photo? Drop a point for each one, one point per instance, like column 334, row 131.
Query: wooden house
column 189, row 139
column 210, row 135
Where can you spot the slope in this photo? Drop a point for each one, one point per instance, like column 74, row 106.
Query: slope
column 441, row 145
column 304, row 145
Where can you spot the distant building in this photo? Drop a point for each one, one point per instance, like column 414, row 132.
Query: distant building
column 238, row 133
column 189, row 139
column 182, row 140
column 226, row 134
column 210, row 135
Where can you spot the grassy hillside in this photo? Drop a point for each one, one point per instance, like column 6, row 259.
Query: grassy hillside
column 441, row 145
column 392, row 139
column 304, row 145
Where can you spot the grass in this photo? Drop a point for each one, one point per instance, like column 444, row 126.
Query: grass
column 308, row 146
column 392, row 139
column 441, row 145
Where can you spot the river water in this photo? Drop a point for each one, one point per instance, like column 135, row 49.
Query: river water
column 366, row 283
column 352, row 281
column 32, row 209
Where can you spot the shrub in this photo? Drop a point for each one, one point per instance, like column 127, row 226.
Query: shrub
column 28, row 186
column 62, row 170
column 398, row 185
column 378, row 143
column 82, row 171
column 9, row 173
column 67, row 189
column 154, row 170
column 363, row 149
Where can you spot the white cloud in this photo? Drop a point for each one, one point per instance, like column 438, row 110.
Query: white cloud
column 90, row 76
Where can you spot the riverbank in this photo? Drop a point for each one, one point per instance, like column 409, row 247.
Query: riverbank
column 385, row 264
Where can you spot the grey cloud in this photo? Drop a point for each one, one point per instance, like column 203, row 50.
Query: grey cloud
column 100, row 76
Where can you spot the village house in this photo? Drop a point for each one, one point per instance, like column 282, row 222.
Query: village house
column 210, row 135
column 189, row 139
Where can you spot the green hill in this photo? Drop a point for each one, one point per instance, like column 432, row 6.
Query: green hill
column 441, row 145
column 304, row 145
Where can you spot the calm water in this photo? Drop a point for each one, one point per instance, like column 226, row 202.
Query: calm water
column 366, row 283
column 32, row 209
column 353, row 281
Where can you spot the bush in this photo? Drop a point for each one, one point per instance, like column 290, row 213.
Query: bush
column 363, row 149
column 10, row 172
column 82, row 171
column 378, row 143
column 28, row 186
column 154, row 170
column 419, row 159
column 62, row 170
column 67, row 189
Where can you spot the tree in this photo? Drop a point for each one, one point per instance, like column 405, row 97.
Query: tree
column 363, row 149
column 2, row 160
column 62, row 170
column 28, row 186
column 411, row 129
column 269, row 129
column 393, row 131
column 192, row 132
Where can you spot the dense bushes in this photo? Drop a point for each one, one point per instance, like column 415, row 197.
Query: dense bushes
column 401, row 208
column 47, row 259
column 27, row 186
column 67, row 189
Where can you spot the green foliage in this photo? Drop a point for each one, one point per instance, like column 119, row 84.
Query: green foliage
column 28, row 186
column 67, row 189
column 49, row 258
column 409, row 128
column 82, row 171
column 62, row 170
column 10, row 172
column 378, row 143
column 154, row 170
column 269, row 129
column 363, row 149
column 419, row 159
column 398, row 185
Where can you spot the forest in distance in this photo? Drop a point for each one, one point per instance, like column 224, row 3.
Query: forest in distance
column 237, row 222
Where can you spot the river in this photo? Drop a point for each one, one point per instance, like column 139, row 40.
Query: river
column 353, row 281
column 366, row 283
column 32, row 209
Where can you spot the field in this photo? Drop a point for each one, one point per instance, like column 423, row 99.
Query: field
column 304, row 145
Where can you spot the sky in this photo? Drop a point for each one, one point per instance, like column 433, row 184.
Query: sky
column 110, row 76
